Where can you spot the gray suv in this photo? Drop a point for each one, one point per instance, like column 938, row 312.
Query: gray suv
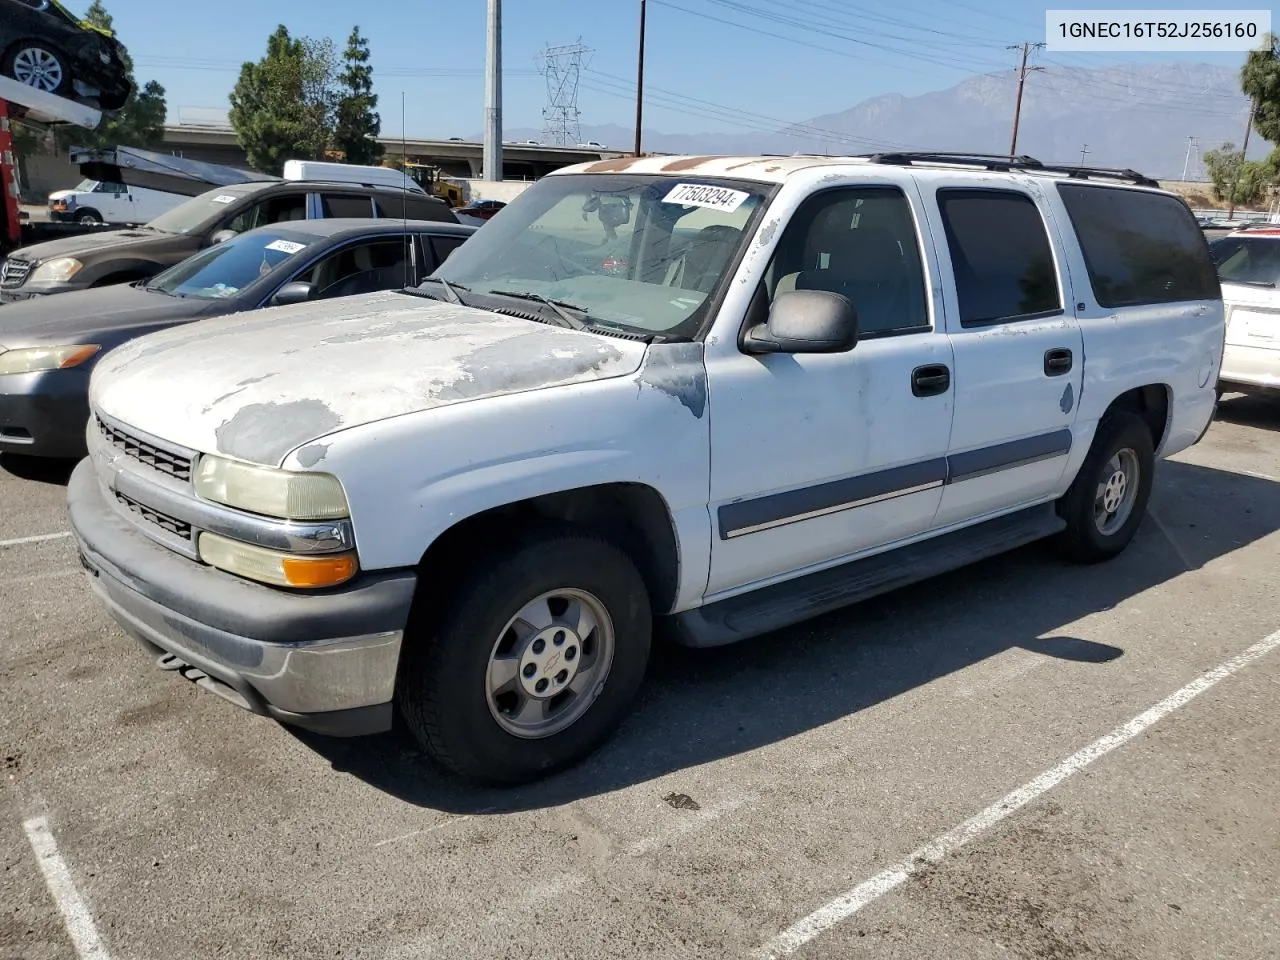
column 109, row 257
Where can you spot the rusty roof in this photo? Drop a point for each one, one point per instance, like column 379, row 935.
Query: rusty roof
column 766, row 169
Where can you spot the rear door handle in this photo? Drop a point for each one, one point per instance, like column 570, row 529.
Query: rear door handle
column 1057, row 362
column 930, row 380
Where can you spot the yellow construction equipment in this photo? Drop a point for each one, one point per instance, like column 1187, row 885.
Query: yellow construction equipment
column 430, row 178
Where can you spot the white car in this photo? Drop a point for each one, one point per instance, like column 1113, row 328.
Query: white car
column 1249, row 276
column 92, row 201
column 726, row 393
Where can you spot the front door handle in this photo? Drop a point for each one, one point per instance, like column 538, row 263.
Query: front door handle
column 1057, row 362
column 930, row 380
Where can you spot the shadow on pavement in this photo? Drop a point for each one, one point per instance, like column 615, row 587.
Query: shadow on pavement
column 699, row 706
column 1250, row 410
column 38, row 469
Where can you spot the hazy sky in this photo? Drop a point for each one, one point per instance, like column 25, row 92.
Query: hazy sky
column 712, row 65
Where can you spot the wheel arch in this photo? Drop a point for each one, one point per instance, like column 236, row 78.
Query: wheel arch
column 633, row 516
column 1152, row 402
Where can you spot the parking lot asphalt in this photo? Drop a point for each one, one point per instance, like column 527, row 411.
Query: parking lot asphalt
column 754, row 787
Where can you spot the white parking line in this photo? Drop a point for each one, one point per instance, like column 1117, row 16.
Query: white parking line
column 849, row 903
column 40, row 539
column 75, row 914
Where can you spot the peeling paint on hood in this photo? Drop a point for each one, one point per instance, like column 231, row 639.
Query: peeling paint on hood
column 258, row 385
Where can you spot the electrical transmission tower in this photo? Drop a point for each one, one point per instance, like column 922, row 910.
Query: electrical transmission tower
column 562, row 67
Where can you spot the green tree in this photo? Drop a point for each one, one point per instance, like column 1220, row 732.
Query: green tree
column 1234, row 180
column 282, row 106
column 358, row 123
column 1260, row 80
column 140, row 123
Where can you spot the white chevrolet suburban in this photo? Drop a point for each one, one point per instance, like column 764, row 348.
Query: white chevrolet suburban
column 720, row 394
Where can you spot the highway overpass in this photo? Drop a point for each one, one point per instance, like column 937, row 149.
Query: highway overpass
column 456, row 158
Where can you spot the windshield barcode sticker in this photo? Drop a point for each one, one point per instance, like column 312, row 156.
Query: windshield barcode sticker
column 223, row 198
column 701, row 195
column 285, row 246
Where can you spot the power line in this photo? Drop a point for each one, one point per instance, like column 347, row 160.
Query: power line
column 774, row 35
column 609, row 85
column 825, row 30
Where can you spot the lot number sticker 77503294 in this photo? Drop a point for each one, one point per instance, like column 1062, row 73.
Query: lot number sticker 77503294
column 701, row 195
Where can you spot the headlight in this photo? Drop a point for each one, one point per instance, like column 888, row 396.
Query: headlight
column 59, row 270
column 271, row 492
column 39, row 359
column 279, row 569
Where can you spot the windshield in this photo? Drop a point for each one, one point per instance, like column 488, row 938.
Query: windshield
column 193, row 215
column 225, row 269
column 84, row 186
column 636, row 251
column 1255, row 261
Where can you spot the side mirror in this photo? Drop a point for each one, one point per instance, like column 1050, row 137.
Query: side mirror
column 222, row 236
column 296, row 292
column 806, row 321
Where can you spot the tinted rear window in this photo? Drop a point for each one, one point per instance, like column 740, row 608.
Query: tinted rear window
column 415, row 208
column 1140, row 248
column 1001, row 256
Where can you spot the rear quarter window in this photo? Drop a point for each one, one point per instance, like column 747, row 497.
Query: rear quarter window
column 1140, row 248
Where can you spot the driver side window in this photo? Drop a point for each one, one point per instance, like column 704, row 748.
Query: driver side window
column 861, row 243
column 360, row 268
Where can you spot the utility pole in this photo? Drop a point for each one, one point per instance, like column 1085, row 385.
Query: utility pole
column 492, row 163
column 1186, row 164
column 1083, row 151
column 1244, row 153
column 640, row 81
column 1022, row 81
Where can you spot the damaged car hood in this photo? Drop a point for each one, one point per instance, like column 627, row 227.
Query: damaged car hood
column 258, row 385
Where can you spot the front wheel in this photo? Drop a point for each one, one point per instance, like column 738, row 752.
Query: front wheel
column 1106, row 502
column 532, row 662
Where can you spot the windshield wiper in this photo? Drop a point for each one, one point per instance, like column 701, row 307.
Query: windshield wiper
column 1269, row 284
column 559, row 306
column 450, row 289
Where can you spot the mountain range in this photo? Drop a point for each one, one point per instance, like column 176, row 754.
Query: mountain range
column 1126, row 116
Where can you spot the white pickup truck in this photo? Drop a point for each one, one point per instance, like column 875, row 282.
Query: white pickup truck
column 718, row 394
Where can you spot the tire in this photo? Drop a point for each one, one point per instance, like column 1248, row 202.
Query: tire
column 88, row 217
column 462, row 708
column 26, row 55
column 1122, row 455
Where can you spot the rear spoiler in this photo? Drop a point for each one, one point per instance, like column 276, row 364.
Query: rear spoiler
column 159, row 171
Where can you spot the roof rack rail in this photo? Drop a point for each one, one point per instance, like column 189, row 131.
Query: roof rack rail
column 1004, row 163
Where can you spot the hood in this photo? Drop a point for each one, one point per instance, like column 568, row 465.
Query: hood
column 91, row 243
column 62, row 194
column 82, row 315
column 257, row 385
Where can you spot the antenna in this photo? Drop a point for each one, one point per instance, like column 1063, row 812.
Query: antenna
column 410, row 261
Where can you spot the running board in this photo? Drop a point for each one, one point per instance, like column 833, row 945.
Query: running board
column 791, row 602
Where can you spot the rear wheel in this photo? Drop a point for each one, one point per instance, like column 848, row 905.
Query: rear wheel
column 1105, row 504
column 38, row 66
column 531, row 663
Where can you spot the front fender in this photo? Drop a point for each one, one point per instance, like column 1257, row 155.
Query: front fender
column 411, row 478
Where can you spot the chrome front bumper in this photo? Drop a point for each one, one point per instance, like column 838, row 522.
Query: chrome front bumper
column 322, row 660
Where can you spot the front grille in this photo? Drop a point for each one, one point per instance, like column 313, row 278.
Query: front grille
column 175, row 526
column 174, row 464
column 13, row 273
